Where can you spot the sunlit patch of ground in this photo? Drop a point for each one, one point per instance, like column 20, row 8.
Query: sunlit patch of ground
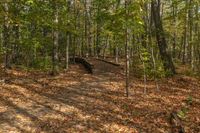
column 75, row 101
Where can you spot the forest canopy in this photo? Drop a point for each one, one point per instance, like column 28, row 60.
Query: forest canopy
column 45, row 34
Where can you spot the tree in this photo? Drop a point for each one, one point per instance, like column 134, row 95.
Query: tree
column 160, row 36
column 55, row 40
column 127, row 49
column 6, row 34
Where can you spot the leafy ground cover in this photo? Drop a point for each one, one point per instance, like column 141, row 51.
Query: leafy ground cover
column 75, row 101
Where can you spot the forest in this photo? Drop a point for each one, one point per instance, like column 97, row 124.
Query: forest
column 100, row 66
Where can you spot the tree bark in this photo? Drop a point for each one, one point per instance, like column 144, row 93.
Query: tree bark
column 68, row 38
column 55, row 42
column 174, row 12
column 160, row 36
column 127, row 51
column 6, row 37
column 186, row 43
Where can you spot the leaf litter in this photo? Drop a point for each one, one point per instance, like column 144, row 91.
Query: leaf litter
column 75, row 101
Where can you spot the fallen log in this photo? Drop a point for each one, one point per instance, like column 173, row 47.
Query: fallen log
column 109, row 62
column 85, row 63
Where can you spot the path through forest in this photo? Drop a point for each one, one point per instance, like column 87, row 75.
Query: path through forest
column 76, row 101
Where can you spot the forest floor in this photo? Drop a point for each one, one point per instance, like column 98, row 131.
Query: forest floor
column 76, row 101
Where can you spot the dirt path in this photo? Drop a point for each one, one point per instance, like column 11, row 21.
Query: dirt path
column 79, row 102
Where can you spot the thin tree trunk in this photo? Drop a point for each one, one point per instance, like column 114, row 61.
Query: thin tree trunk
column 174, row 11
column 68, row 38
column 67, row 52
column 6, row 37
column 98, row 32
column 185, row 45
column 116, row 51
column 127, row 52
column 86, row 29
column 55, row 43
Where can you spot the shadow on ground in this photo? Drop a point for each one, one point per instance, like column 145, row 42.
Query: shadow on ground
column 78, row 102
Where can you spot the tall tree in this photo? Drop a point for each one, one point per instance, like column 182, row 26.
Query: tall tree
column 6, row 35
column 55, row 41
column 160, row 36
column 127, row 48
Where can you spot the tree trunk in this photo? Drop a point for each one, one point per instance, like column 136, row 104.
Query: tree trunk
column 185, row 45
column 6, row 37
column 98, row 32
column 127, row 52
column 160, row 36
column 68, row 39
column 174, row 12
column 55, row 43
column 86, row 29
column 116, row 51
column 67, row 52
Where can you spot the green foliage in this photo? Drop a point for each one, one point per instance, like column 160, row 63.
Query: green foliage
column 185, row 109
column 32, row 23
column 145, row 55
column 182, row 114
column 189, row 100
column 41, row 63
